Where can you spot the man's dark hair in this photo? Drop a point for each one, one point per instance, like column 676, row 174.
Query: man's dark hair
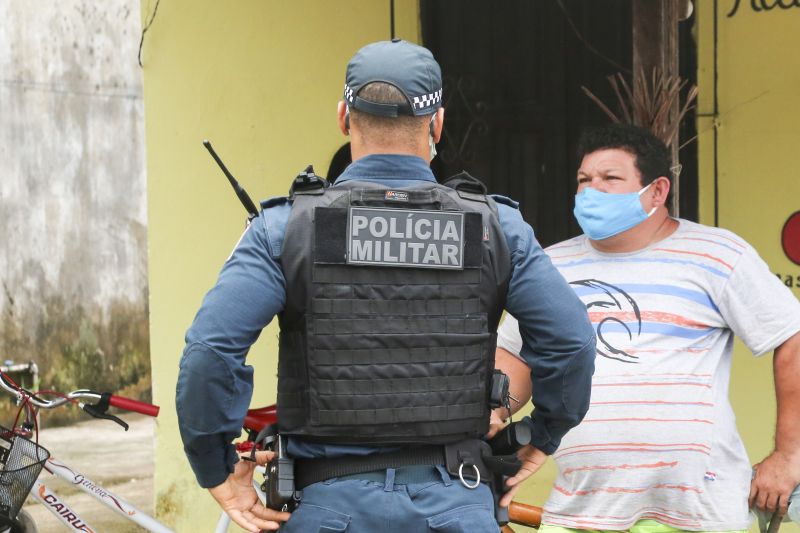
column 652, row 157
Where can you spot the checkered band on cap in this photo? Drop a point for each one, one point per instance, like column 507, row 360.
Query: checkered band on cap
column 348, row 94
column 427, row 100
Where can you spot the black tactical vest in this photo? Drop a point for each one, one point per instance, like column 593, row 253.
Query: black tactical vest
column 393, row 301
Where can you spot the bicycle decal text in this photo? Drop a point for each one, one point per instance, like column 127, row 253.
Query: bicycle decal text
column 63, row 510
column 100, row 491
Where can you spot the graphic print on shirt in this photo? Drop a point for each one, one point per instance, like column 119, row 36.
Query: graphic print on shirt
column 622, row 304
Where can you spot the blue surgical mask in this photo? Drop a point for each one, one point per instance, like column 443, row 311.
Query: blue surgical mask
column 602, row 215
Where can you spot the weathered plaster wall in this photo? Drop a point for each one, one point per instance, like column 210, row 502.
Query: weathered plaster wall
column 72, row 184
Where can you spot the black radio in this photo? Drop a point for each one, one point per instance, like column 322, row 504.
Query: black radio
column 279, row 480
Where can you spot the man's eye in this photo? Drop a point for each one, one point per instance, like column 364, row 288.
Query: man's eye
column 583, row 180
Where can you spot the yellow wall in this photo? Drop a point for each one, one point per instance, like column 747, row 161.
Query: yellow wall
column 757, row 144
column 260, row 79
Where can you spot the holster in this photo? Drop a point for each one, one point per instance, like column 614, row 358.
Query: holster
column 473, row 460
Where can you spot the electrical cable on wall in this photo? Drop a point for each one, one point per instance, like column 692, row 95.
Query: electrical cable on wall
column 391, row 19
column 147, row 27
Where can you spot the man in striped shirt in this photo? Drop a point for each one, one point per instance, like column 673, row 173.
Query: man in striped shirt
column 658, row 450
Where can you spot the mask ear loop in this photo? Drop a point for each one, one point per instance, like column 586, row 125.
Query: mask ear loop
column 431, row 130
column 642, row 192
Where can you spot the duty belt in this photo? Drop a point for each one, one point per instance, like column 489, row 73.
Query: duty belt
column 470, row 460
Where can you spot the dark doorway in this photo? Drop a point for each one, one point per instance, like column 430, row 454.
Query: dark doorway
column 513, row 72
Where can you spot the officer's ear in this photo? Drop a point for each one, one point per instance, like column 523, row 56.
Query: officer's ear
column 436, row 125
column 343, row 116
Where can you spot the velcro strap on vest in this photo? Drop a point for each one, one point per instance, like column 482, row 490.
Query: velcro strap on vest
column 399, row 415
column 398, row 385
column 310, row 471
column 383, row 356
column 400, row 326
column 469, row 306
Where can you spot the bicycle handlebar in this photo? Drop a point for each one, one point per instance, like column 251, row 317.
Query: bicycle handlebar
column 80, row 394
column 134, row 405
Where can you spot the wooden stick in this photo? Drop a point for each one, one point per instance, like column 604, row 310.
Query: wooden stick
column 525, row 515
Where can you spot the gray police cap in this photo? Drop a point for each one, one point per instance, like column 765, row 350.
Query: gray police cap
column 410, row 68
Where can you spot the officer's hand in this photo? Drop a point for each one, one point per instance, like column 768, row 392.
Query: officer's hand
column 496, row 422
column 238, row 498
column 775, row 479
column 532, row 460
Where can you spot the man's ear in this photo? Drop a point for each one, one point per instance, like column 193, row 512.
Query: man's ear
column 660, row 186
column 437, row 125
column 343, row 117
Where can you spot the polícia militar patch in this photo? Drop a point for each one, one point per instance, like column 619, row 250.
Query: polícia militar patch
column 405, row 238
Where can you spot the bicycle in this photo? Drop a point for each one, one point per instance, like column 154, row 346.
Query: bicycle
column 22, row 460
column 257, row 420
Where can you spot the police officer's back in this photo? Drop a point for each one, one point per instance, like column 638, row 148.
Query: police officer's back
column 389, row 288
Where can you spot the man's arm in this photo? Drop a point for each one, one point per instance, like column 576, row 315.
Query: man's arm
column 558, row 345
column 215, row 384
column 519, row 376
column 778, row 474
column 558, row 341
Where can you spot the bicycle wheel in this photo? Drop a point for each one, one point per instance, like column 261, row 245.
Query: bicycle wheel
column 23, row 524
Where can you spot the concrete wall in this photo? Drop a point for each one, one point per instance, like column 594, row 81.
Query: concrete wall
column 72, row 184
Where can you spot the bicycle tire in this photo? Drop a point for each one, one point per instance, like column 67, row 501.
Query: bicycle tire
column 24, row 523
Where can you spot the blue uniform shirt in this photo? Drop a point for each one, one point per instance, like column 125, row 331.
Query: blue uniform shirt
column 215, row 384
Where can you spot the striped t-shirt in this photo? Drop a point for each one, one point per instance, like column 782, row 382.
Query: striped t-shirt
column 659, row 440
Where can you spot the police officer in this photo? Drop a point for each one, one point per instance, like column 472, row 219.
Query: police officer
column 389, row 288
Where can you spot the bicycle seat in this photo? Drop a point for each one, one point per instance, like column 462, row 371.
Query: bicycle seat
column 258, row 419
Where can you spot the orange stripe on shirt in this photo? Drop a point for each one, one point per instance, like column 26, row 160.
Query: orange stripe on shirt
column 684, row 374
column 654, row 384
column 692, row 420
column 557, row 257
column 637, row 449
column 660, row 464
column 647, row 444
column 737, row 243
column 626, row 490
column 640, row 510
column 647, row 316
column 663, row 350
column 652, row 402
column 707, row 256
